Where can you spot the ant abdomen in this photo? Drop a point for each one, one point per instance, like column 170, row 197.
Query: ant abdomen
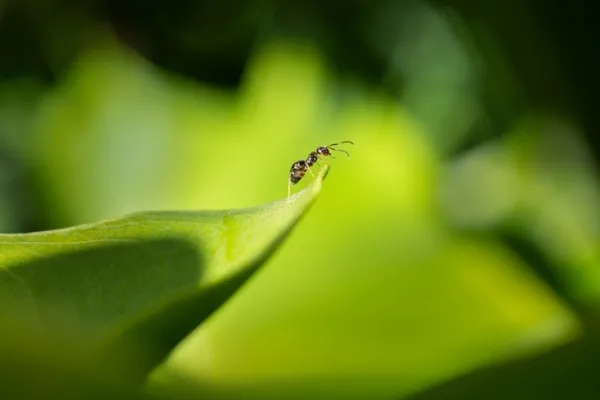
column 297, row 171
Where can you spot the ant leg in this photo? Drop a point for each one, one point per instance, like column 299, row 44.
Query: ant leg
column 310, row 170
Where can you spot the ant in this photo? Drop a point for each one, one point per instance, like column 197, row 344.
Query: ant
column 300, row 167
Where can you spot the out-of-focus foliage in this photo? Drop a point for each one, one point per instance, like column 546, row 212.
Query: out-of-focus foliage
column 462, row 232
column 351, row 297
column 563, row 373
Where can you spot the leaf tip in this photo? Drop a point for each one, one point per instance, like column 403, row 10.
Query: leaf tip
column 323, row 173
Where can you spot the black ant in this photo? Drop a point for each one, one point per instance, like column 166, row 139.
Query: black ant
column 300, row 167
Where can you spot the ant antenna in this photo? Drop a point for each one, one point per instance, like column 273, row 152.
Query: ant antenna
column 343, row 151
column 345, row 141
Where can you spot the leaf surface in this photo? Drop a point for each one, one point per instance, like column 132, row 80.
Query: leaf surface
column 146, row 279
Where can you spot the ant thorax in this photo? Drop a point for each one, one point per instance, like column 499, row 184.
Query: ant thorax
column 312, row 159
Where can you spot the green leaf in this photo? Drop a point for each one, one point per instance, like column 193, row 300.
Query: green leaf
column 138, row 285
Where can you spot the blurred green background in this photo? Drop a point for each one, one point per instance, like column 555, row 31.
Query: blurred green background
column 462, row 233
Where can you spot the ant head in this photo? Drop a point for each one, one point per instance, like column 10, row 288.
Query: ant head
column 324, row 151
